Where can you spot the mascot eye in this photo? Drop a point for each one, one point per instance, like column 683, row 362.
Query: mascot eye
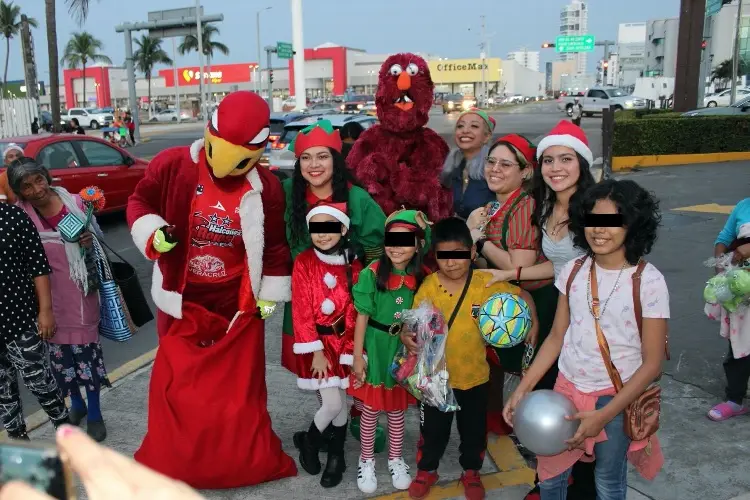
column 215, row 121
column 262, row 136
column 412, row 69
column 396, row 69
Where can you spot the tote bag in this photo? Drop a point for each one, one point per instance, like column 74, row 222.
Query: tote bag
column 115, row 323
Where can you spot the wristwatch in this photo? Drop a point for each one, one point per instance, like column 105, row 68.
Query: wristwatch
column 480, row 245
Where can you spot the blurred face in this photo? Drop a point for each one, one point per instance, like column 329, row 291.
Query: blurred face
column 503, row 172
column 454, row 269
column 316, row 165
column 471, row 132
column 326, row 241
column 35, row 189
column 605, row 240
column 560, row 168
column 12, row 155
column 400, row 256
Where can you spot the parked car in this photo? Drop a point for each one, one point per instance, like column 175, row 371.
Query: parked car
column 457, row 102
column 597, row 99
column 281, row 159
column 93, row 118
column 322, row 108
column 722, row 98
column 739, row 108
column 78, row 161
column 170, row 115
column 356, row 103
column 278, row 121
column 369, row 109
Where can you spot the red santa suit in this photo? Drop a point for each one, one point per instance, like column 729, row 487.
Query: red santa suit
column 208, row 423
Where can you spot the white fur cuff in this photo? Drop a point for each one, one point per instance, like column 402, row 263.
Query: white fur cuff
column 307, row 347
column 313, row 384
column 276, row 288
column 348, row 359
column 143, row 228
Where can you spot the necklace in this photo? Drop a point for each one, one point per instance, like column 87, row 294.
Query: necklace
column 560, row 223
column 590, row 299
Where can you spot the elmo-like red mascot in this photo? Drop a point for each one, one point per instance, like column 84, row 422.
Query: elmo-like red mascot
column 399, row 161
column 214, row 225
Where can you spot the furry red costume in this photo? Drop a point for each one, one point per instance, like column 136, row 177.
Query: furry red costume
column 208, row 424
column 399, row 160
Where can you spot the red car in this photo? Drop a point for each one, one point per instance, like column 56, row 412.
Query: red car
column 77, row 161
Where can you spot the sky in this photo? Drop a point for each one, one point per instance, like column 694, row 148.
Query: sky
column 445, row 28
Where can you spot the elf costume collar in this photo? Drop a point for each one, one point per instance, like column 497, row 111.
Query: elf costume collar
column 397, row 278
column 320, row 133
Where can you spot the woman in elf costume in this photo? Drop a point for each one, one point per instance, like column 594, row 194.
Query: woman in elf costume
column 320, row 176
column 385, row 288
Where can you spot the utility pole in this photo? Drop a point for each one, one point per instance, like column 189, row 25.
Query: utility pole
column 298, row 45
column 706, row 47
column 258, row 70
column 176, row 81
column 736, row 54
column 132, row 97
column 270, row 50
column 483, row 55
column 692, row 18
column 201, row 101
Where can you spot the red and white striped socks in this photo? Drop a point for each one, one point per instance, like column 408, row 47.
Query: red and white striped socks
column 367, row 426
column 396, row 426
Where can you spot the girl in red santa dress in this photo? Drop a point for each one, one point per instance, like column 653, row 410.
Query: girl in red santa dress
column 323, row 315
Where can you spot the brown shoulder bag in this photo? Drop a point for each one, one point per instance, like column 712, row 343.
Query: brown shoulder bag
column 642, row 415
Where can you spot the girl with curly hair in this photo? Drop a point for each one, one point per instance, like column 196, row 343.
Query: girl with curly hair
column 616, row 223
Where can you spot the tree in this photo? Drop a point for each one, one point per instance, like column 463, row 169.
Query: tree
column 190, row 44
column 79, row 9
column 147, row 55
column 723, row 71
column 10, row 26
column 81, row 49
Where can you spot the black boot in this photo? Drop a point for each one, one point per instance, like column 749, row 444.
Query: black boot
column 327, row 436
column 335, row 465
column 309, row 446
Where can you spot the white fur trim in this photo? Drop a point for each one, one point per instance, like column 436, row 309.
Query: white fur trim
column 251, row 220
column 166, row 301
column 3, row 197
column 333, row 260
column 327, row 307
column 276, row 288
column 313, row 384
column 195, row 149
column 346, row 359
column 568, row 141
column 330, row 280
column 307, row 347
column 329, row 210
column 143, row 228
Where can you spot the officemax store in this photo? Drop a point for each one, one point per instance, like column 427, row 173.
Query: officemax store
column 464, row 76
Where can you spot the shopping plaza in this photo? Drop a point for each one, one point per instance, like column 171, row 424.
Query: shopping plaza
column 330, row 71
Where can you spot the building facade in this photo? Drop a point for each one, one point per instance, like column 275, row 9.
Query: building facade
column 661, row 47
column 519, row 80
column 526, row 58
column 574, row 20
column 631, row 53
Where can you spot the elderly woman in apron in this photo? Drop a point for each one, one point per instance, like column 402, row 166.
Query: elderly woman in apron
column 75, row 352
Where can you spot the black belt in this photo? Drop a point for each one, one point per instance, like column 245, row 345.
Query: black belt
column 393, row 329
column 338, row 327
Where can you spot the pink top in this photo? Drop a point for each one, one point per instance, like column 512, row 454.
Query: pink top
column 76, row 315
column 646, row 456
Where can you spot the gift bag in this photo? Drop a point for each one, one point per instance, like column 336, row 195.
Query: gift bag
column 115, row 322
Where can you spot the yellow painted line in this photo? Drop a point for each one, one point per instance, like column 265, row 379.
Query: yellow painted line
column 513, row 471
column 40, row 418
column 620, row 163
column 711, row 208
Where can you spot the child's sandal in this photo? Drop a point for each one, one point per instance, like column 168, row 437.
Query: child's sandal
column 724, row 411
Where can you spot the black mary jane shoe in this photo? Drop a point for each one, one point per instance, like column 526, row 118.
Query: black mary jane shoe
column 96, row 430
column 76, row 416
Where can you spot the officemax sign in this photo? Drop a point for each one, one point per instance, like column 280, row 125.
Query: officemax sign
column 465, row 70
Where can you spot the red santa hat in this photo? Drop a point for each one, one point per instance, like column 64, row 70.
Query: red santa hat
column 569, row 135
column 334, row 210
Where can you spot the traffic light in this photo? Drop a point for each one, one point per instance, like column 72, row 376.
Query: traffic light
column 547, row 45
column 605, row 65
column 270, row 76
column 704, row 44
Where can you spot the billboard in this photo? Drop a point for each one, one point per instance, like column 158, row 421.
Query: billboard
column 220, row 73
column 464, row 70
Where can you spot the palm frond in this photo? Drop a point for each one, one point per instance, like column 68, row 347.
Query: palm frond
column 78, row 10
column 220, row 47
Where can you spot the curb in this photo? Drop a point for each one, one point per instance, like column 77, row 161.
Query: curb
column 620, row 163
column 39, row 418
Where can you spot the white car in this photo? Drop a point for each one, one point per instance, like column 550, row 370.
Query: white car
column 170, row 115
column 722, row 98
column 93, row 117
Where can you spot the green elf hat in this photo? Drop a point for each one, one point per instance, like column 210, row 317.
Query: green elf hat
column 320, row 133
column 481, row 114
column 415, row 221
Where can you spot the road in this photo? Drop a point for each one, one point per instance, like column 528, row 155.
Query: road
column 533, row 120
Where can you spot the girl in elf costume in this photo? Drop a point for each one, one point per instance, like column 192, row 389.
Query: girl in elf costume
column 324, row 319
column 320, row 176
column 385, row 288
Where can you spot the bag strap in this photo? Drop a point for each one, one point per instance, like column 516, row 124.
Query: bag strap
column 637, row 308
column 101, row 240
column 573, row 273
column 506, row 220
column 461, row 299
column 614, row 375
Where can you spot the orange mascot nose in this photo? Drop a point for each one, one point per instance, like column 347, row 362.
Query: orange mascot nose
column 404, row 81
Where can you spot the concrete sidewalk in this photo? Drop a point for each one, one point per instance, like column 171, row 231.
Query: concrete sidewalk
column 702, row 457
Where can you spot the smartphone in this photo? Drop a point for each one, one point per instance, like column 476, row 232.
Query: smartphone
column 39, row 465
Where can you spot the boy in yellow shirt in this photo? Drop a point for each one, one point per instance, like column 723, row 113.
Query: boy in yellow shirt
column 466, row 359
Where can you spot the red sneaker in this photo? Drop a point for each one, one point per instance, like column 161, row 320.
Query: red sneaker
column 473, row 487
column 496, row 424
column 420, row 485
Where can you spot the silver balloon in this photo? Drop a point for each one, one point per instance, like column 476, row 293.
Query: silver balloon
column 539, row 422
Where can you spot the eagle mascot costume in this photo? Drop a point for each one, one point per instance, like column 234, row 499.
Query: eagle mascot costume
column 399, row 160
column 213, row 224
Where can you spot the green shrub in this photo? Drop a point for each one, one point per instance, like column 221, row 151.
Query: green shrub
column 677, row 135
column 631, row 114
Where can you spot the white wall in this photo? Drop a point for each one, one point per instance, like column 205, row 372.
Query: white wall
column 520, row 80
column 631, row 33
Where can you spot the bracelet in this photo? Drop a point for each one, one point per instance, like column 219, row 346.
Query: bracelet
column 518, row 273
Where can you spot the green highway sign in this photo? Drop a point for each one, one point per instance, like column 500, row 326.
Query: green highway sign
column 713, row 7
column 575, row 43
column 284, row 50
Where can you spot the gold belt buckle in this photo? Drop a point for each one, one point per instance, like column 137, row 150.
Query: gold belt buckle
column 335, row 326
column 395, row 329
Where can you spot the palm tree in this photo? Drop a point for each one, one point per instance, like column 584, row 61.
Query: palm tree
column 148, row 54
column 81, row 49
column 79, row 9
column 722, row 72
column 10, row 26
column 190, row 43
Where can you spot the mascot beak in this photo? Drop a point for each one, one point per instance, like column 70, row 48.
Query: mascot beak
column 227, row 159
column 404, row 103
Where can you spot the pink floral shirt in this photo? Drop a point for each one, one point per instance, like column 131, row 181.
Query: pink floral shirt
column 581, row 360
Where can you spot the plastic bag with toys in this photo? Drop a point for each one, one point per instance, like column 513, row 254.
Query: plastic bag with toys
column 730, row 288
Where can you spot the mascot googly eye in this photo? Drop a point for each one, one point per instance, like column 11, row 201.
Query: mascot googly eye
column 412, row 69
column 396, row 70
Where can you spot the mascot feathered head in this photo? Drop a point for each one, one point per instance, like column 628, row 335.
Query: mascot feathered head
column 405, row 93
column 236, row 134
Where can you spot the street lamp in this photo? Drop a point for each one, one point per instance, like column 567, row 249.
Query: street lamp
column 257, row 29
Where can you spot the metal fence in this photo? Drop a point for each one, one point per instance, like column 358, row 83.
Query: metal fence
column 16, row 116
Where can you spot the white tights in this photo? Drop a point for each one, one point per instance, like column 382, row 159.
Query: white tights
column 333, row 408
